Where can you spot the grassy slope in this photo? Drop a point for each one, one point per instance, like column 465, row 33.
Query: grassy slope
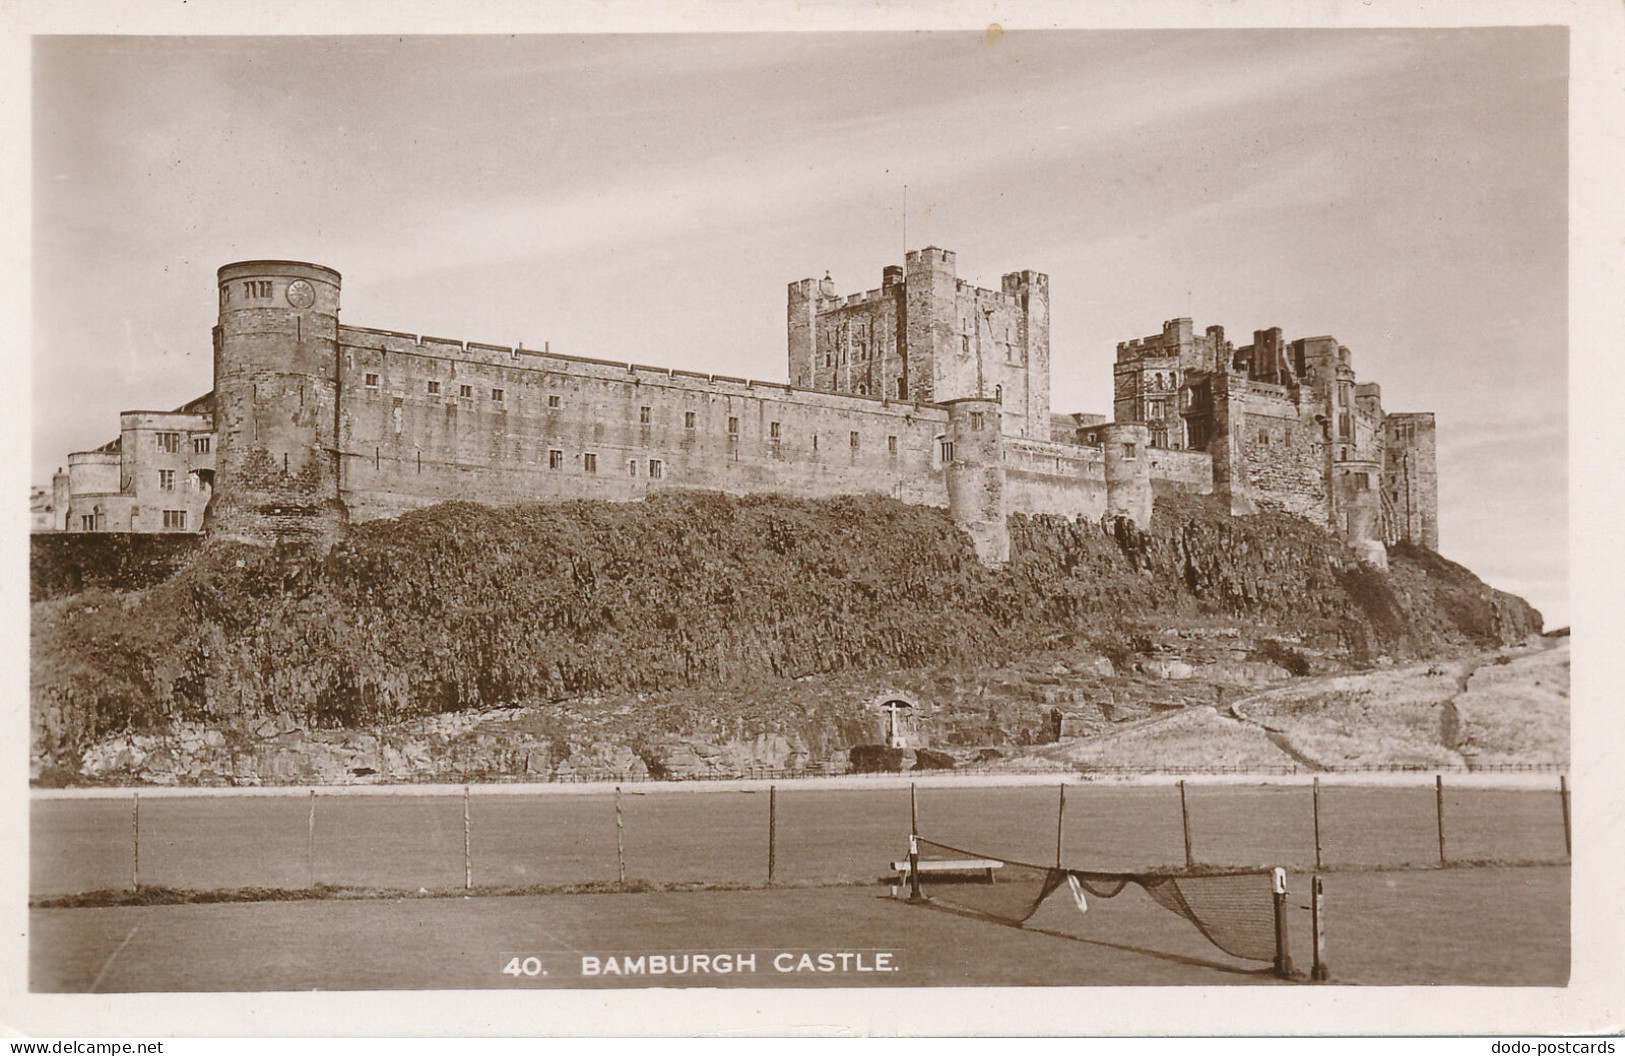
column 462, row 606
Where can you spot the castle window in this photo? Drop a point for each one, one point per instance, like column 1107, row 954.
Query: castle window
column 87, row 522
column 166, row 480
column 773, row 430
column 902, row 388
column 496, row 395
column 175, row 519
column 371, row 381
column 589, row 462
column 657, row 469
column 200, row 445
column 434, row 388
column 947, row 451
column 1131, row 451
column 1263, row 437
column 632, row 466
column 815, row 441
column 964, row 343
column 643, row 416
column 169, row 442
column 733, row 428
column 856, row 439
column 465, row 391
column 555, row 459
column 688, row 419
column 1362, row 481
column 975, row 422
column 891, row 445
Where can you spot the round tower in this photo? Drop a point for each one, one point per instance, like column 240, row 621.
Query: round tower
column 974, row 465
column 276, row 404
column 1128, row 471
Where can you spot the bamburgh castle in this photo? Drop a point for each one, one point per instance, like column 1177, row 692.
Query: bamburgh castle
column 928, row 389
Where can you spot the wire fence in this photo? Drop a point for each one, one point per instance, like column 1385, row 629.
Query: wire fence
column 784, row 835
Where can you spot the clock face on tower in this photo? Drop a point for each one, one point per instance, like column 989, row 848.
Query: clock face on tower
column 301, row 294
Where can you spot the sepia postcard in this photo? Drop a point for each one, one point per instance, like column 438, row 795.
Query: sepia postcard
column 814, row 520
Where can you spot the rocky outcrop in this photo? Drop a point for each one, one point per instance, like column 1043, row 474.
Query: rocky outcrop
column 696, row 634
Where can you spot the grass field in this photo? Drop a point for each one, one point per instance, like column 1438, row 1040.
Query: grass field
column 1463, row 927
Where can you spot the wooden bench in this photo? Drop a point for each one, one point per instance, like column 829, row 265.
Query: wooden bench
column 985, row 866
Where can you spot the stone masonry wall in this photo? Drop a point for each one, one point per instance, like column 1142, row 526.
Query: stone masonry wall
column 567, row 428
column 1285, row 456
column 1190, row 472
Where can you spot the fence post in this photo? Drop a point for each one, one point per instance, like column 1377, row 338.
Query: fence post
column 1317, row 822
column 620, row 848
column 913, row 812
column 772, row 829
column 468, row 848
column 1185, row 823
column 1568, row 835
column 1438, row 802
column 135, row 842
column 310, row 840
column 1320, row 972
column 1283, row 952
column 1060, row 825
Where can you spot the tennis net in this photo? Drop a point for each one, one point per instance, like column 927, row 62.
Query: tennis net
column 1234, row 908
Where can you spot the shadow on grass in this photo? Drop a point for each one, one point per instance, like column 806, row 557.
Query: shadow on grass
column 154, row 895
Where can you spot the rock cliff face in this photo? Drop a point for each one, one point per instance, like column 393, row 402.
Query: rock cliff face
column 696, row 632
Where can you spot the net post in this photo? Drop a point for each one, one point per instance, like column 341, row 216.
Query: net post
column 310, row 840
column 1283, row 952
column 772, row 829
column 468, row 847
column 620, row 848
column 135, row 842
column 1319, row 973
column 1060, row 825
column 1568, row 834
column 913, row 868
column 1282, row 946
column 1317, row 822
column 1185, row 823
column 1438, row 805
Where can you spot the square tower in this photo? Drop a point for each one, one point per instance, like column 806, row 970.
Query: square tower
column 927, row 336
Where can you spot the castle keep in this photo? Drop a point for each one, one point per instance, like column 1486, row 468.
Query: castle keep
column 927, row 389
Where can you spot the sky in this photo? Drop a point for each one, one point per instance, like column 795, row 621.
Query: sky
column 648, row 198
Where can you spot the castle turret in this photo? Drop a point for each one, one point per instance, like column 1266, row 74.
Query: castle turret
column 1411, row 478
column 1227, row 444
column 1128, row 471
column 973, row 460
column 801, row 326
column 60, row 497
column 939, row 368
column 276, row 403
column 1030, row 290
